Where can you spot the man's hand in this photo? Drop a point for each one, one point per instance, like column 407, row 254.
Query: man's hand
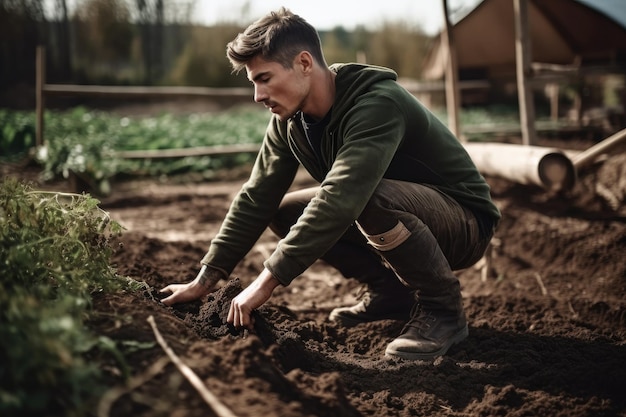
column 203, row 284
column 257, row 293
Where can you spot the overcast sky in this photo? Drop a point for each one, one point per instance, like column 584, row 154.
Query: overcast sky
column 327, row 14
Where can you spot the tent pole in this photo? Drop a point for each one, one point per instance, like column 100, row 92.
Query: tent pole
column 523, row 70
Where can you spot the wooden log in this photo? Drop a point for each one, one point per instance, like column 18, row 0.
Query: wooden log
column 549, row 168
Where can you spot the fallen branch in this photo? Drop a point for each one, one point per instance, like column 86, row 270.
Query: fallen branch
column 544, row 291
column 483, row 267
column 212, row 401
column 571, row 309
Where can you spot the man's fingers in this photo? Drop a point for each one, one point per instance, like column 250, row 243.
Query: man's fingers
column 167, row 289
column 239, row 317
column 231, row 314
column 168, row 301
column 174, row 294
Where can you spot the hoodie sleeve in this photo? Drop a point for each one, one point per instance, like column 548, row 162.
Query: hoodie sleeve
column 255, row 204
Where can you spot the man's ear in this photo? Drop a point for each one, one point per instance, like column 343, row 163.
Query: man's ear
column 304, row 61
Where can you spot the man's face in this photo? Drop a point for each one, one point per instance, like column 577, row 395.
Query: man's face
column 282, row 90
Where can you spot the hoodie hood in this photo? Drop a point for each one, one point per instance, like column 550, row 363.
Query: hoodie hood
column 353, row 80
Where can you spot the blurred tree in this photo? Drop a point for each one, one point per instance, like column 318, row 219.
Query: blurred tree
column 338, row 45
column 150, row 22
column 64, row 65
column 203, row 60
column 104, row 32
column 57, row 37
column 21, row 28
column 401, row 46
column 162, row 26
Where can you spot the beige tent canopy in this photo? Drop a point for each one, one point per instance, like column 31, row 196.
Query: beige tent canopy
column 563, row 32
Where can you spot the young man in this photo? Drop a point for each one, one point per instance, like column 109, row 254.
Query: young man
column 400, row 204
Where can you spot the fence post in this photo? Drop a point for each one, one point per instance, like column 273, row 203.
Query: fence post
column 40, row 80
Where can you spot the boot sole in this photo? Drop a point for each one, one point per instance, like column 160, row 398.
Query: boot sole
column 417, row 356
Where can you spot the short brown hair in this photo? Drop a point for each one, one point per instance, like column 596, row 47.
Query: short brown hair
column 277, row 37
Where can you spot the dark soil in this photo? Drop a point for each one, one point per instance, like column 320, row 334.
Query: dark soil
column 546, row 309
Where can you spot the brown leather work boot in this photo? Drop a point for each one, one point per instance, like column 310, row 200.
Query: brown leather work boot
column 429, row 333
column 375, row 305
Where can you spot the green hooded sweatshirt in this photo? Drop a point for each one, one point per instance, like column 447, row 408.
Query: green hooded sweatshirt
column 377, row 130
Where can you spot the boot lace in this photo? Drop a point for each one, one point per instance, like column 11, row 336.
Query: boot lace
column 363, row 294
column 421, row 319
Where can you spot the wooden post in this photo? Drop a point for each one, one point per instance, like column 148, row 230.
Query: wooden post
column 523, row 69
column 452, row 77
column 40, row 80
column 553, row 93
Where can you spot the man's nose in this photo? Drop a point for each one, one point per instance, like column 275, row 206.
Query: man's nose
column 259, row 94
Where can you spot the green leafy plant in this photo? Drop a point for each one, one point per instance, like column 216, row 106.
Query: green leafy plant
column 17, row 133
column 54, row 254
column 85, row 143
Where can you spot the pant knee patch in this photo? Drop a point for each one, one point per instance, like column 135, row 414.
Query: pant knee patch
column 390, row 239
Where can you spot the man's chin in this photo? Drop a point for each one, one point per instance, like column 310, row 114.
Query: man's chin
column 284, row 116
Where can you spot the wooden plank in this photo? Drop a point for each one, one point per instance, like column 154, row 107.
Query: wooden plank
column 551, row 127
column 143, row 91
column 184, row 152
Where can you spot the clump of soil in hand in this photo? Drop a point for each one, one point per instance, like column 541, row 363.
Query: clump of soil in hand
column 210, row 322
